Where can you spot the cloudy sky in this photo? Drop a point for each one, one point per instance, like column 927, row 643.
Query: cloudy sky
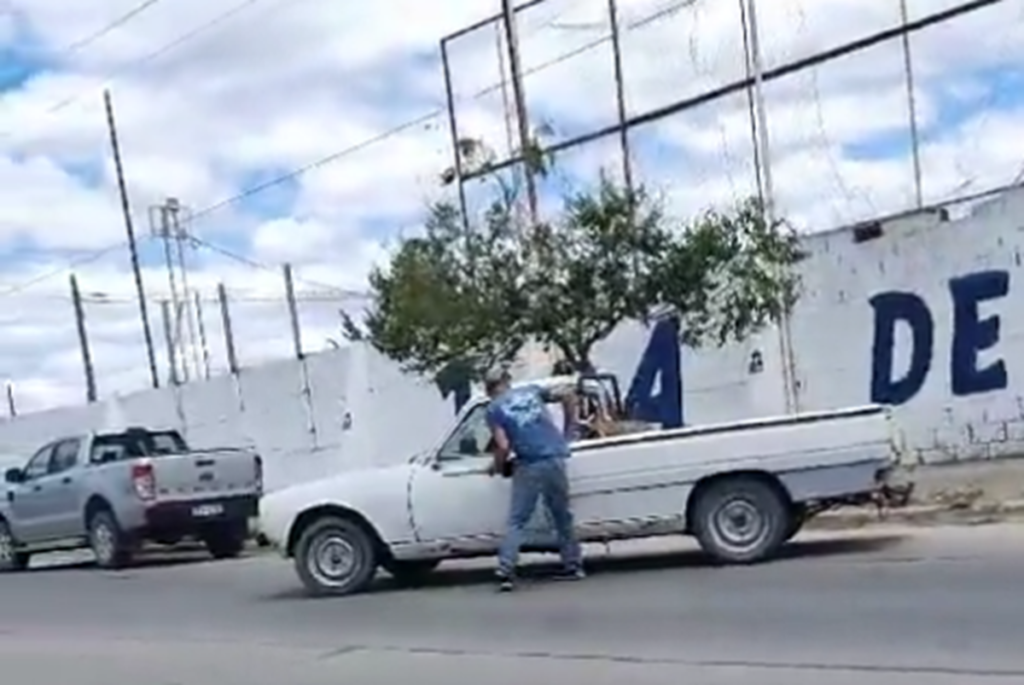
column 219, row 101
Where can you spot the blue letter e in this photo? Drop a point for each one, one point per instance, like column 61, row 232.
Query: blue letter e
column 890, row 308
column 972, row 335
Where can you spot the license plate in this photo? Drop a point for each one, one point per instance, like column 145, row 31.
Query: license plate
column 207, row 510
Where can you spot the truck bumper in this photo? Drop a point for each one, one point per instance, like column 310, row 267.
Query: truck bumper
column 193, row 515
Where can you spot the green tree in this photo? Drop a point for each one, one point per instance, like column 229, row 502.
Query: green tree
column 451, row 301
column 465, row 300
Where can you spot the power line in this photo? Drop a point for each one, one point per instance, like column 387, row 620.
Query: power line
column 88, row 258
column 110, row 27
column 261, row 266
column 160, row 51
column 430, row 116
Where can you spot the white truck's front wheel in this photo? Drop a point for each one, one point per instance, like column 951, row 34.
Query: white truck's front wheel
column 740, row 520
column 335, row 556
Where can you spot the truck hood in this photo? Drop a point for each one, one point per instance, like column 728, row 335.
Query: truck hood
column 361, row 490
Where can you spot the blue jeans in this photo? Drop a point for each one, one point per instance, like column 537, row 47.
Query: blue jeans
column 532, row 481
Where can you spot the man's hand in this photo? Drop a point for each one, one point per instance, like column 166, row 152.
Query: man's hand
column 501, row 450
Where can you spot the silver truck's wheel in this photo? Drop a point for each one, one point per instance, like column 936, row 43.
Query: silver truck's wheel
column 335, row 556
column 10, row 558
column 741, row 520
column 108, row 542
column 226, row 541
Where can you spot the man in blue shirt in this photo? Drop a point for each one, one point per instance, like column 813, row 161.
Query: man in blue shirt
column 521, row 424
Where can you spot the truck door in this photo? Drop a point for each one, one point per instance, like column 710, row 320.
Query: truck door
column 61, row 504
column 453, row 498
column 27, row 499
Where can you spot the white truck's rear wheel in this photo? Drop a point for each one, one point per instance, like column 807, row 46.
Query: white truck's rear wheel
column 741, row 520
column 335, row 556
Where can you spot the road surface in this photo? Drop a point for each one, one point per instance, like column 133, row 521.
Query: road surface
column 939, row 606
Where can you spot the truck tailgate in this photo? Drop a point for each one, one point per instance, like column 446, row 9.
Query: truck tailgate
column 222, row 472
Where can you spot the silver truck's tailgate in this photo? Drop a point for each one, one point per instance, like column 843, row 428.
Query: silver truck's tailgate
column 222, row 472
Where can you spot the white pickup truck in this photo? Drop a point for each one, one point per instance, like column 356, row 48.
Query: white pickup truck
column 742, row 489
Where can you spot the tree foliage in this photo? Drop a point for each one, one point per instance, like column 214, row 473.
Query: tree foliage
column 457, row 299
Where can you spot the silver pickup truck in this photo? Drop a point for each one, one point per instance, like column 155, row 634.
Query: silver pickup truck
column 113, row 491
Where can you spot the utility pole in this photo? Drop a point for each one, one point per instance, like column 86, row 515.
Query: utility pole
column 172, row 364
column 755, row 139
column 229, row 336
column 181, row 236
column 202, row 335
column 526, row 144
column 761, row 115
column 126, row 211
column 12, row 408
column 83, row 340
column 160, row 227
column 166, row 224
column 620, row 95
column 293, row 309
column 915, row 142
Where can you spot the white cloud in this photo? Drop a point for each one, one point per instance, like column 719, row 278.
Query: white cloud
column 274, row 85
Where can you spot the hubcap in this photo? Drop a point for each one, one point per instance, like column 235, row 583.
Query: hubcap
column 332, row 559
column 103, row 542
column 739, row 525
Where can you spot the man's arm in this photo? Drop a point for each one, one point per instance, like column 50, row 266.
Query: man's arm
column 502, row 447
column 566, row 396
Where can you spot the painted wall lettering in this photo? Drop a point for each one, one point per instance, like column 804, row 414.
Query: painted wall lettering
column 655, row 394
column 890, row 309
column 971, row 335
column 660, row 366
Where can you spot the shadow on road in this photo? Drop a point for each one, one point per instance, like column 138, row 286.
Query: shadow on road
column 149, row 559
column 448, row 578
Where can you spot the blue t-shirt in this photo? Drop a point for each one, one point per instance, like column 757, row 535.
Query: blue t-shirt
column 533, row 435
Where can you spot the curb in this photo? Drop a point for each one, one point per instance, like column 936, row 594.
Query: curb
column 920, row 515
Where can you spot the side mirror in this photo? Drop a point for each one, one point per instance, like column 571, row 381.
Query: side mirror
column 14, row 476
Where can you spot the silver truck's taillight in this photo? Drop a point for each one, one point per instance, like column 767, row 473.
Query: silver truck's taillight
column 258, row 468
column 144, row 481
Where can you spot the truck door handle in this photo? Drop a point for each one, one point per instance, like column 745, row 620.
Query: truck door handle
column 37, row 488
column 66, row 480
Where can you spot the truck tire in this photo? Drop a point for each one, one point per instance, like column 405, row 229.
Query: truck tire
column 741, row 520
column 411, row 573
column 111, row 546
column 797, row 518
column 11, row 559
column 226, row 541
column 335, row 556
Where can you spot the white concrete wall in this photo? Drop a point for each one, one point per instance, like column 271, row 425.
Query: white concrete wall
column 969, row 403
column 295, row 412
column 334, row 410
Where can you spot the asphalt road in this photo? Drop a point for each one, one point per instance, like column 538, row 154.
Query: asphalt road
column 936, row 607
